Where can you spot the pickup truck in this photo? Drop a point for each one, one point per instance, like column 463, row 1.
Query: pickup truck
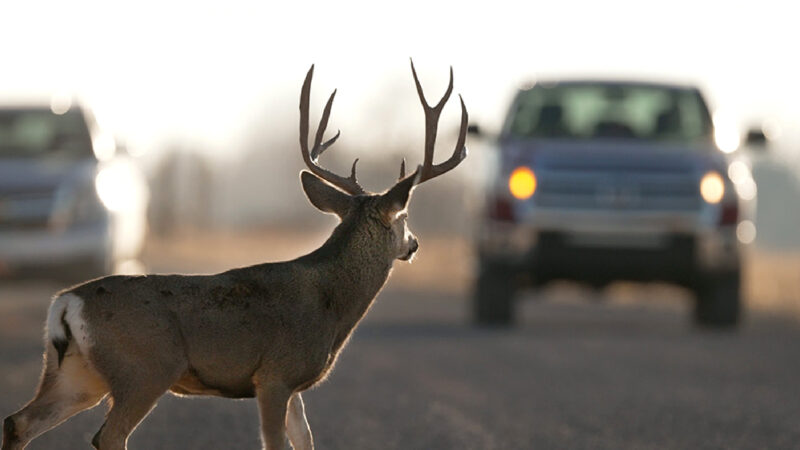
column 603, row 180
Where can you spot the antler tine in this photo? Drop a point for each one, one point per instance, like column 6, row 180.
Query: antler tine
column 305, row 93
column 429, row 170
column 432, row 114
column 347, row 184
column 460, row 152
column 422, row 95
column 320, row 147
column 318, row 150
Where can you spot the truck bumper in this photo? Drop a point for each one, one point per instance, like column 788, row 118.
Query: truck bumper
column 680, row 253
column 44, row 248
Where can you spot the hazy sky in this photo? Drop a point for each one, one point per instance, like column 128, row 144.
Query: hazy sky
column 158, row 70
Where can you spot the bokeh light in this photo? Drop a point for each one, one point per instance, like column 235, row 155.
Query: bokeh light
column 522, row 183
column 712, row 187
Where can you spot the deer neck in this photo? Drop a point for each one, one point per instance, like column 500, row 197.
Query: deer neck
column 353, row 266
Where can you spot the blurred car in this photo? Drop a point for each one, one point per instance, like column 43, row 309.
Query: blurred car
column 598, row 181
column 69, row 205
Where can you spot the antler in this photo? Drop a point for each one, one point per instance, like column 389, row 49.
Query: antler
column 429, row 170
column 348, row 184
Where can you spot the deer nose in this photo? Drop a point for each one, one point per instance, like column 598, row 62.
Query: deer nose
column 413, row 247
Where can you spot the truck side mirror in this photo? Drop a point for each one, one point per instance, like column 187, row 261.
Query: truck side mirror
column 474, row 129
column 756, row 139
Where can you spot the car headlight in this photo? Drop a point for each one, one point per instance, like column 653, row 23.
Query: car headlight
column 522, row 183
column 120, row 187
column 712, row 187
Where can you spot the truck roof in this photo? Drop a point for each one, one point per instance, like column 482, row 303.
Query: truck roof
column 609, row 82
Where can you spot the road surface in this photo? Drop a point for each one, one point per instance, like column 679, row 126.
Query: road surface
column 572, row 374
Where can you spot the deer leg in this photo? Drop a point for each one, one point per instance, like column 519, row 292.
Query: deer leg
column 272, row 407
column 297, row 425
column 129, row 405
column 134, row 392
column 63, row 392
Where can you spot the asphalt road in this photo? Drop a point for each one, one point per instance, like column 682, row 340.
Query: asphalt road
column 573, row 374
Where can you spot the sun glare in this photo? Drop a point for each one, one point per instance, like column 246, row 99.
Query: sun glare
column 726, row 133
column 746, row 232
column 60, row 103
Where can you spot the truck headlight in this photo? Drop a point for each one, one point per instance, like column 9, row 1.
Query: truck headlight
column 712, row 187
column 522, row 183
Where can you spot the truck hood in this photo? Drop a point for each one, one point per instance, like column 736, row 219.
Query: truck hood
column 609, row 156
column 25, row 175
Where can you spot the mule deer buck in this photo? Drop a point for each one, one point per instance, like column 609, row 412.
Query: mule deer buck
column 268, row 331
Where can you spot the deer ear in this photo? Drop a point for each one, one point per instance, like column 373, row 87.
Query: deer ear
column 325, row 197
column 396, row 198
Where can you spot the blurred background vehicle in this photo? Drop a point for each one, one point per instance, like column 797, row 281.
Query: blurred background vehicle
column 598, row 181
column 71, row 204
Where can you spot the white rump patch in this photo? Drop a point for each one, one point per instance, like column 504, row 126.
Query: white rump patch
column 70, row 307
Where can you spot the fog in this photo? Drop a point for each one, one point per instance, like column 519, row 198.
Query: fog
column 209, row 73
column 204, row 97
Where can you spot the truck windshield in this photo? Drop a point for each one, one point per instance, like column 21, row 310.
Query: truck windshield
column 577, row 110
column 40, row 133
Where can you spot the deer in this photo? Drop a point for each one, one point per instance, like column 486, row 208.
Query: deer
column 269, row 331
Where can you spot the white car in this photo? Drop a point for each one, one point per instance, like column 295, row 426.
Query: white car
column 69, row 205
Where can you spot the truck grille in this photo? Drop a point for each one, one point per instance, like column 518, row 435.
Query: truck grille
column 25, row 210
column 648, row 191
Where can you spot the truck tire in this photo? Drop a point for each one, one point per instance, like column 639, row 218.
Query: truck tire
column 719, row 301
column 494, row 296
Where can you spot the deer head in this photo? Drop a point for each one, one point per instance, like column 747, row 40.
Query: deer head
column 344, row 197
